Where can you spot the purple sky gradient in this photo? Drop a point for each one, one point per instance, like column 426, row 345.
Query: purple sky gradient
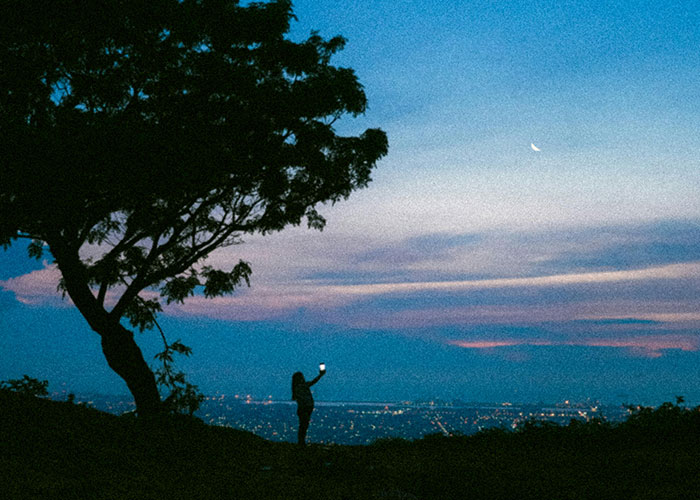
column 472, row 267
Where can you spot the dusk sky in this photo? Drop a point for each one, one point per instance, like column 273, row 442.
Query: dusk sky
column 473, row 267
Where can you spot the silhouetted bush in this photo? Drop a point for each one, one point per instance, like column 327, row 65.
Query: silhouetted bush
column 26, row 385
column 52, row 449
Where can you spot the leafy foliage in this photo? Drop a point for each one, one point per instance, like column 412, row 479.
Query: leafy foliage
column 26, row 385
column 137, row 137
column 184, row 397
column 35, row 249
column 142, row 313
column 163, row 130
column 662, row 421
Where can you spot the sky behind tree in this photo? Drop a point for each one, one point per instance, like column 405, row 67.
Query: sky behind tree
column 472, row 267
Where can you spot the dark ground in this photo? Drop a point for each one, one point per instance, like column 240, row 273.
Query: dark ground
column 59, row 450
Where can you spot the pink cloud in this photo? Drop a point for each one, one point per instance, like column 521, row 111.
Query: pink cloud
column 672, row 271
column 258, row 303
column 37, row 287
column 485, row 344
column 40, row 287
column 667, row 315
column 327, row 304
column 650, row 346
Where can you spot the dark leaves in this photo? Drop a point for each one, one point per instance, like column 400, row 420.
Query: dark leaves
column 180, row 348
column 315, row 220
column 220, row 282
column 26, row 385
column 179, row 288
column 214, row 281
column 184, row 397
column 141, row 313
column 35, row 249
column 160, row 131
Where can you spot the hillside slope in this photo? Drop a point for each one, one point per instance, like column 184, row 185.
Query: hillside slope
column 58, row 450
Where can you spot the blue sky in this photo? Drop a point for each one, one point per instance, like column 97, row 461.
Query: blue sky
column 472, row 267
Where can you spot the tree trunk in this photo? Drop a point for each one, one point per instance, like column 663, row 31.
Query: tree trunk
column 124, row 357
column 121, row 351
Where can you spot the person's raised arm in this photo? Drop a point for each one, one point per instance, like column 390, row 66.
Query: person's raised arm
column 318, row 377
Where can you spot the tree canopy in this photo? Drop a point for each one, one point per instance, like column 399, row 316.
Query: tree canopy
column 137, row 137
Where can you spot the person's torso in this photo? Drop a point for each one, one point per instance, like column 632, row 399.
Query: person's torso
column 304, row 397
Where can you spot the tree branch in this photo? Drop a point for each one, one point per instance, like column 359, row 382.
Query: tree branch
column 28, row 236
column 139, row 282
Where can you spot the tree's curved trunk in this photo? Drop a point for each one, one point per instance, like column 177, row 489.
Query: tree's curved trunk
column 122, row 353
column 125, row 358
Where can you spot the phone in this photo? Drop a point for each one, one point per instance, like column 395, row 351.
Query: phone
column 322, row 367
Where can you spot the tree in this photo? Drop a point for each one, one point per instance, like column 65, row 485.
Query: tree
column 137, row 137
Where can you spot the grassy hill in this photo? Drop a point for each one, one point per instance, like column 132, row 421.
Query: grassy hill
column 59, row 450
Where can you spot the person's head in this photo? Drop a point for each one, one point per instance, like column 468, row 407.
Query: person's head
column 298, row 378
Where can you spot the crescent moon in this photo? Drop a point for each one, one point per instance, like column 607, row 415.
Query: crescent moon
column 534, row 148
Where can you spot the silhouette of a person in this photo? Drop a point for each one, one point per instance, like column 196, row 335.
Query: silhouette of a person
column 301, row 393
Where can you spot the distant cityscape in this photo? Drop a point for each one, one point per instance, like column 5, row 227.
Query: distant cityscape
column 357, row 423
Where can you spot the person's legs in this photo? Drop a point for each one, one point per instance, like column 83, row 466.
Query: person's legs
column 304, row 419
